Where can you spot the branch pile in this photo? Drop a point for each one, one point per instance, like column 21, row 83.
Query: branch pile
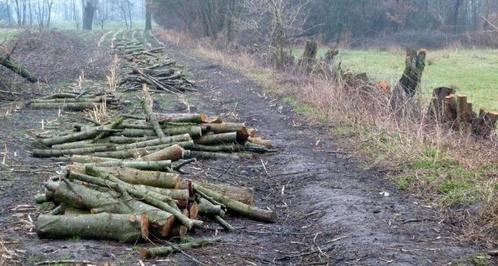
column 151, row 67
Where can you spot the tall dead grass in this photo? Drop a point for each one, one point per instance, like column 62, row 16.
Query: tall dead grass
column 373, row 130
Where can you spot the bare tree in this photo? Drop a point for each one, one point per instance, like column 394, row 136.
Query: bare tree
column 43, row 13
column 89, row 8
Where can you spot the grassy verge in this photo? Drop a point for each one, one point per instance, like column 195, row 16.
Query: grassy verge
column 446, row 168
column 472, row 71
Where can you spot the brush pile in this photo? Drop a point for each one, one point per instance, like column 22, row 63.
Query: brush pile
column 123, row 182
column 151, row 67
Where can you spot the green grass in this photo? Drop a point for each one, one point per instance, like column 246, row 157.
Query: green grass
column 7, row 34
column 472, row 71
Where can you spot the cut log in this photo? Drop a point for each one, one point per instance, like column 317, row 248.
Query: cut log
column 182, row 117
column 162, row 166
column 239, row 207
column 81, row 197
column 91, row 159
column 126, row 140
column 77, row 106
column 43, row 153
column 17, row 68
column 149, row 115
column 164, row 251
column 172, row 153
column 146, row 197
column 218, row 128
column 157, row 141
column 193, row 131
column 148, row 178
column 83, row 135
column 207, row 208
column 120, row 227
column 216, row 139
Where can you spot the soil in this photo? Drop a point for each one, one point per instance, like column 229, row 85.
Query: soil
column 330, row 211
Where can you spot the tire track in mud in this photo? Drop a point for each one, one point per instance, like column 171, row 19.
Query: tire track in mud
column 321, row 193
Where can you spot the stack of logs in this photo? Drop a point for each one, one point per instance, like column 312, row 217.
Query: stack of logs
column 123, row 179
column 130, row 201
column 449, row 108
column 151, row 67
column 74, row 101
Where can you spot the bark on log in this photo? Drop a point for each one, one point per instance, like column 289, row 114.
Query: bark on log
column 218, row 128
column 91, row 159
column 120, row 227
column 78, row 106
column 126, row 140
column 83, row 135
column 82, row 197
column 207, row 208
column 162, row 166
column 182, row 117
column 149, row 115
column 43, row 153
column 147, row 198
column 216, row 139
column 157, row 141
column 193, row 131
column 17, row 68
column 148, row 178
column 172, row 153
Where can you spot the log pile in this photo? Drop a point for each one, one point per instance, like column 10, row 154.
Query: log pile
column 151, row 67
column 123, row 181
column 453, row 109
column 129, row 204
column 75, row 101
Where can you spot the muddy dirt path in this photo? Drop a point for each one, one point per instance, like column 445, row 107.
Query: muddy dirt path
column 321, row 194
column 329, row 211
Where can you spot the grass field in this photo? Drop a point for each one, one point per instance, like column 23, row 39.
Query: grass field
column 473, row 71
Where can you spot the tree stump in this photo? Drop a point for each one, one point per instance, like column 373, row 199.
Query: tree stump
column 406, row 88
column 455, row 110
column 308, row 59
column 438, row 104
column 484, row 125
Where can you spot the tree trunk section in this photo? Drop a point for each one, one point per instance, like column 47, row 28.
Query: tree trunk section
column 120, row 227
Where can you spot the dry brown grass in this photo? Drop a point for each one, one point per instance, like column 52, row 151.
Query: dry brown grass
column 433, row 156
column 112, row 77
column 98, row 113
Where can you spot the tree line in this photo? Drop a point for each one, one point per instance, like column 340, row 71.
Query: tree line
column 84, row 14
column 331, row 20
